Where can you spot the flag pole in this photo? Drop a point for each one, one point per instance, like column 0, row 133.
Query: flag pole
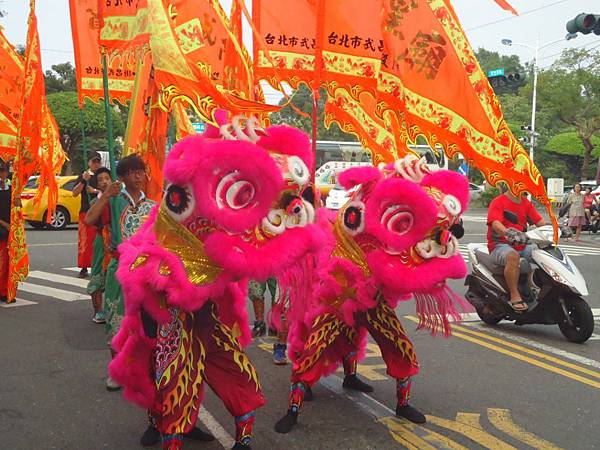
column 109, row 123
column 111, row 146
column 83, row 143
column 82, row 127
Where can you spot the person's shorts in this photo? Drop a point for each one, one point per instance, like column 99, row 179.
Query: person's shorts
column 501, row 251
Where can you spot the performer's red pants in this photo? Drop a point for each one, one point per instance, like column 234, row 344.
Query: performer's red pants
column 85, row 242
column 194, row 349
column 330, row 340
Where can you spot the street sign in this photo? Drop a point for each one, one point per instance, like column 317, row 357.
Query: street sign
column 463, row 169
column 496, row 73
column 199, row 127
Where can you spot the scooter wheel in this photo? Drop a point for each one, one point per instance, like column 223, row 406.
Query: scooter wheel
column 487, row 318
column 582, row 320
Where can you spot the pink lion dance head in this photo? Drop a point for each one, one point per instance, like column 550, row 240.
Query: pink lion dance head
column 237, row 205
column 402, row 217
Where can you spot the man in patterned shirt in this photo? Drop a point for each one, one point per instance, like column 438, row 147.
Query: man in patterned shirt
column 125, row 206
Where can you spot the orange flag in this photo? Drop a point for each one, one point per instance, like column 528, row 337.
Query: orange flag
column 85, row 28
column 37, row 150
column 415, row 63
column 187, row 41
column 147, row 129
column 124, row 30
column 506, row 6
column 11, row 92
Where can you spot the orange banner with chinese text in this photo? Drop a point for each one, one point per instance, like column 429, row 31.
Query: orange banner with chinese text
column 412, row 58
column 85, row 28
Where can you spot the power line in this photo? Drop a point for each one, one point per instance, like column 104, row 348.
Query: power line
column 514, row 17
column 57, row 51
column 579, row 46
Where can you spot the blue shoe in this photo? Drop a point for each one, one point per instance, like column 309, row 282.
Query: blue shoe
column 279, row 357
column 99, row 317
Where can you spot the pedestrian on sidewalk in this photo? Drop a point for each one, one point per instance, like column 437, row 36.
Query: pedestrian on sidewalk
column 87, row 187
column 101, row 254
column 125, row 201
column 5, row 192
column 576, row 210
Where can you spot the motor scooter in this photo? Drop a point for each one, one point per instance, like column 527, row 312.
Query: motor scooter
column 556, row 296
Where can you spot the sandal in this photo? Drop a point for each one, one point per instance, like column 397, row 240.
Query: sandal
column 518, row 309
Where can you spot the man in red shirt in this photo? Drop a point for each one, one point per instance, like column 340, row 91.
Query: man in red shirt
column 504, row 236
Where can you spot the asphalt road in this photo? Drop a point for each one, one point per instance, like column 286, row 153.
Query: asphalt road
column 499, row 387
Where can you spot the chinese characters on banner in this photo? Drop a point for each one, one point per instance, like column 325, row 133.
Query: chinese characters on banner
column 85, row 27
column 394, row 70
column 188, row 42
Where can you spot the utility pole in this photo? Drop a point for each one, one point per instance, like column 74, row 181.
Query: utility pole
column 536, row 51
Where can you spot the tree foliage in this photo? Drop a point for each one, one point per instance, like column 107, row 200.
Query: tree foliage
column 570, row 91
column 65, row 108
column 302, row 100
column 61, row 78
column 489, row 60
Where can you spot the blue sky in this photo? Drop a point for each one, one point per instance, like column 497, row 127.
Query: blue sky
column 548, row 22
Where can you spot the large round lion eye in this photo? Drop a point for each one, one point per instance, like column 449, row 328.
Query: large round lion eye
column 298, row 170
column 233, row 192
column 179, row 201
column 397, row 219
column 452, row 205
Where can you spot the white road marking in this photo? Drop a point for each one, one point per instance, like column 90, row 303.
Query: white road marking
column 479, row 219
column 52, row 245
column 72, row 269
column 46, row 291
column 364, row 401
column 215, row 428
column 79, row 282
column 17, row 302
column 568, row 250
column 547, row 348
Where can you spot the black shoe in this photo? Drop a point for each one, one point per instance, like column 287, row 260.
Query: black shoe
column 150, row 438
column 259, row 329
column 286, row 423
column 4, row 299
column 83, row 273
column 410, row 414
column 308, row 394
column 240, row 446
column 198, row 435
column 354, row 383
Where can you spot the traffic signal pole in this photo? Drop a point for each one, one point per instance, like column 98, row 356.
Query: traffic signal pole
column 536, row 51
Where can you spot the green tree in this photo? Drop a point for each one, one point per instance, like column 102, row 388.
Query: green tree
column 570, row 91
column 569, row 148
column 302, row 100
column 64, row 107
column 489, row 60
column 61, row 78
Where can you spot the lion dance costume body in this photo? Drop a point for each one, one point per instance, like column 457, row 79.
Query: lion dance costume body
column 391, row 241
column 233, row 209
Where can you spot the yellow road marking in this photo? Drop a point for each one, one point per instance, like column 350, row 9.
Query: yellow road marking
column 404, row 433
column 483, row 438
column 502, row 420
column 369, row 371
column 558, row 361
column 470, row 419
column 520, row 357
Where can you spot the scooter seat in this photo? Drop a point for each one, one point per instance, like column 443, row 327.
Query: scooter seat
column 485, row 259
